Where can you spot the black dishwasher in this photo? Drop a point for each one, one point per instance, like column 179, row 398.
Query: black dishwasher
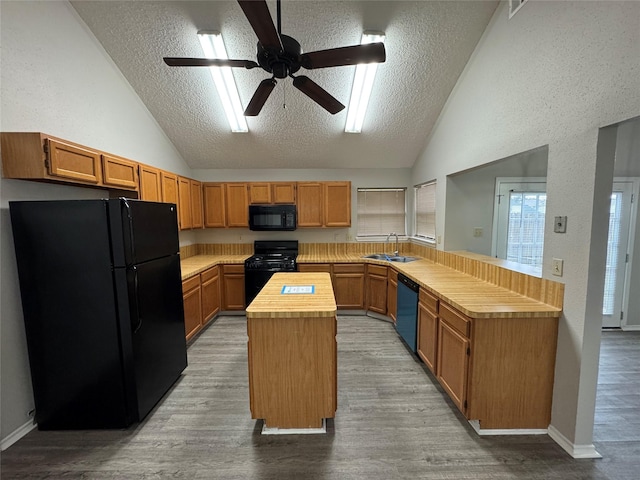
column 407, row 313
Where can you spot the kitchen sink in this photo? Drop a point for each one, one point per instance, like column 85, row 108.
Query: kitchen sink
column 390, row 258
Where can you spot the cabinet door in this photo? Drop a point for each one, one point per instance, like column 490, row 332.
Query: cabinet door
column 337, row 204
column 427, row 336
column 348, row 286
column 169, row 183
column 453, row 364
column 150, row 188
column 119, row 172
column 184, row 210
column 392, row 294
column 259, row 193
column 233, row 287
column 191, row 299
column 196, row 204
column 214, row 205
column 283, row 192
column 210, row 281
column 237, row 205
column 68, row 161
column 310, row 204
column 377, row 289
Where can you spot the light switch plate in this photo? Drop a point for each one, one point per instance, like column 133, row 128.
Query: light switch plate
column 560, row 225
column 556, row 267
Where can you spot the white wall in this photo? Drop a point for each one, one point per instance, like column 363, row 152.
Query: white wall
column 360, row 178
column 57, row 79
column 552, row 75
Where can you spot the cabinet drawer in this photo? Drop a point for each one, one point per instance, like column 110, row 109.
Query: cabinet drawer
column 233, row 268
column 429, row 300
column 314, row 267
column 377, row 270
column 209, row 274
column 190, row 283
column 348, row 268
column 393, row 275
column 455, row 319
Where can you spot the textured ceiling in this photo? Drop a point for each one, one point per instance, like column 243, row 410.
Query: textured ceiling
column 427, row 42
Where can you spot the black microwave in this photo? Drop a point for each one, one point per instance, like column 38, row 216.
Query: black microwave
column 272, row 217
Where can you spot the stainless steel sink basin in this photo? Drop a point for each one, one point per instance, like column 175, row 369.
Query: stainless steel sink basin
column 390, row 258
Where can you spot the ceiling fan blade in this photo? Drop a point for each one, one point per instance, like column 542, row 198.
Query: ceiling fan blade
column 318, row 94
column 208, row 62
column 337, row 57
column 260, row 97
column 260, row 19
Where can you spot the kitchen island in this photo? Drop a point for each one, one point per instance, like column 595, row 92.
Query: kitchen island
column 292, row 353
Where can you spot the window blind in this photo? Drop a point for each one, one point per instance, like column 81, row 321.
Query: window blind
column 381, row 211
column 426, row 210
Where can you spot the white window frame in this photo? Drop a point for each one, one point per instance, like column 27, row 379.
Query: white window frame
column 422, row 238
column 383, row 237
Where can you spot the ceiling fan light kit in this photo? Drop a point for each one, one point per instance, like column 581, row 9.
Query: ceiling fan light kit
column 282, row 57
column 362, row 86
column 213, row 48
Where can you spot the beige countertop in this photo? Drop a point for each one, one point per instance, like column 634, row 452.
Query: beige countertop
column 273, row 302
column 472, row 296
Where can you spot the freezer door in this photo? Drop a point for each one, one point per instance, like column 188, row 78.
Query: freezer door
column 157, row 328
column 142, row 231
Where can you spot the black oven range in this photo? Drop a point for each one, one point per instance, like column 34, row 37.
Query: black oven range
column 269, row 256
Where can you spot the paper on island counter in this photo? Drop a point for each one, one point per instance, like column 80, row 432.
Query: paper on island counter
column 298, row 289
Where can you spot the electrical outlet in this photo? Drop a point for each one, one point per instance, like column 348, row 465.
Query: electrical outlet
column 556, row 267
column 560, row 224
column 477, row 231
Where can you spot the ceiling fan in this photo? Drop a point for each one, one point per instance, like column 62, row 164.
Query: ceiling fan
column 281, row 56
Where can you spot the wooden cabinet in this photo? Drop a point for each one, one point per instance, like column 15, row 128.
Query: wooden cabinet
column 259, row 193
column 184, row 207
column 214, row 205
column 310, row 204
column 196, row 204
column 119, row 172
column 150, row 184
column 191, row 299
column 392, row 294
column 337, row 204
column 314, row 267
column 428, row 329
column 69, row 161
column 376, row 298
column 237, row 205
column 210, row 285
column 233, row 287
column 283, row 192
column 324, row 204
column 453, row 363
column 348, row 285
column 169, row 184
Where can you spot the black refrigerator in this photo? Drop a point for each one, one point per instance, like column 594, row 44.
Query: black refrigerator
column 102, row 301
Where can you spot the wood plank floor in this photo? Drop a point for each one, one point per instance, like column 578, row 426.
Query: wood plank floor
column 393, row 422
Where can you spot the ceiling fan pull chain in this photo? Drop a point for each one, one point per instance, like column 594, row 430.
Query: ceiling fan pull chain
column 284, row 96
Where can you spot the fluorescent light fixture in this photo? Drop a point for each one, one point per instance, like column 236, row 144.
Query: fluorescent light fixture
column 213, row 47
column 362, row 85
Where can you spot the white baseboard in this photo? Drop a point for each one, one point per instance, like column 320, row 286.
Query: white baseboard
column 17, row 434
column 576, row 451
column 631, row 328
column 506, row 431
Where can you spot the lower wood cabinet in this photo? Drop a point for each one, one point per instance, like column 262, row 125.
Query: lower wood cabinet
column 233, row 287
column 453, row 363
column 392, row 294
column 428, row 329
column 348, row 285
column 210, row 285
column 376, row 285
column 192, row 301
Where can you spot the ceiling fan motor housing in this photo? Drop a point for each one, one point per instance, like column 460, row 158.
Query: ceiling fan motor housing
column 281, row 63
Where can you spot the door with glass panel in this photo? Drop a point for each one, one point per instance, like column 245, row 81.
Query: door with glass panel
column 617, row 254
column 519, row 221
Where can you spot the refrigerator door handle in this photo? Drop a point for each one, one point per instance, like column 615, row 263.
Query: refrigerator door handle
column 137, row 327
column 132, row 245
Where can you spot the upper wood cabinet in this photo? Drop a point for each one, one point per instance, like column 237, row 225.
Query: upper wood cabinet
column 214, row 205
column 283, row 192
column 69, row 161
column 324, row 204
column 119, row 172
column 150, row 183
column 196, row 204
column 237, row 204
column 169, row 182
column 261, row 193
column 310, row 213
column 184, row 209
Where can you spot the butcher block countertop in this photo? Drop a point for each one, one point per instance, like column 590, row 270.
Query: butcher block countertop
column 272, row 302
column 472, row 296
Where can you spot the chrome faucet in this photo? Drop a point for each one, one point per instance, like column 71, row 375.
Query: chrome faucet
column 395, row 253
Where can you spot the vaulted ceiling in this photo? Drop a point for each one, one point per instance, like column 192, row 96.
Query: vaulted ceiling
column 428, row 44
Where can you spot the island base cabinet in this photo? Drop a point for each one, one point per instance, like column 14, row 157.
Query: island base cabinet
column 453, row 364
column 292, row 370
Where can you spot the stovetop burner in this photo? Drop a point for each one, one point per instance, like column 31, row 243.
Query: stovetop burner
column 273, row 255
